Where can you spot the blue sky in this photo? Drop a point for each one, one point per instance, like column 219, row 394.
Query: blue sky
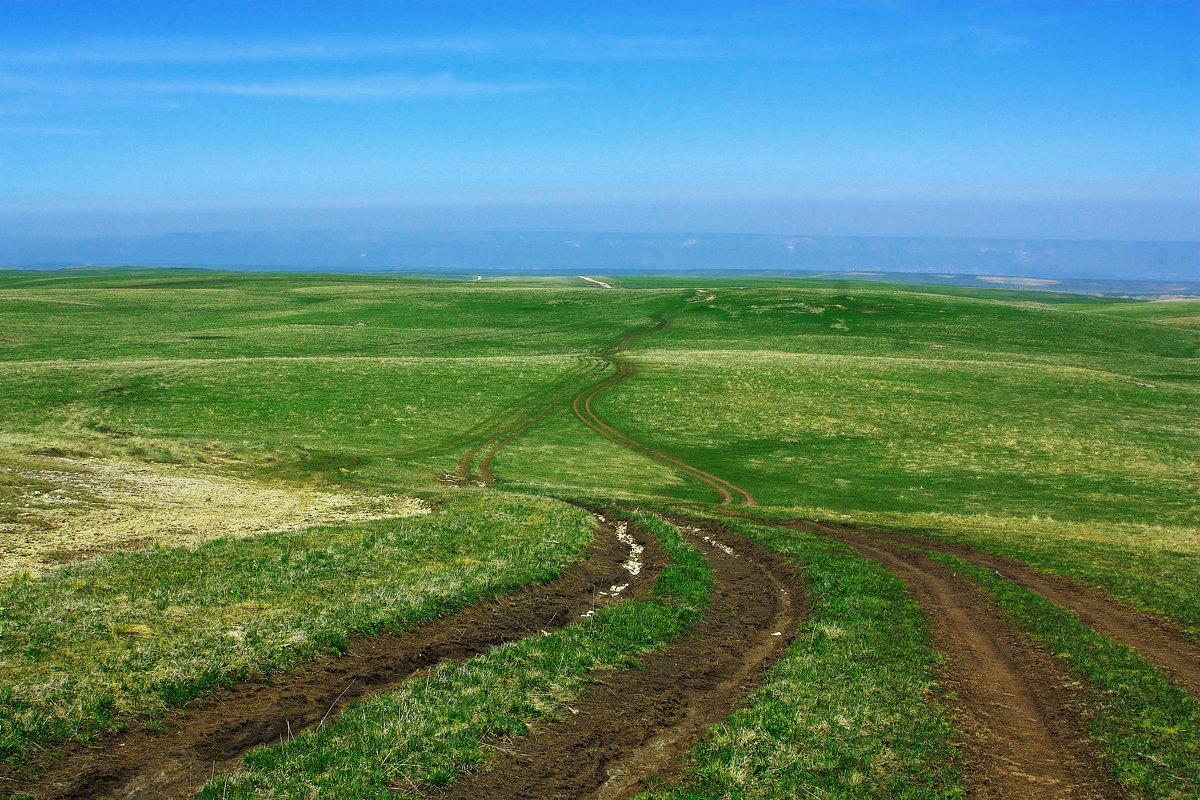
column 1073, row 119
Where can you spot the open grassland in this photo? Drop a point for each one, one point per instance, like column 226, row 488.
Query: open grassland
column 96, row 645
column 1184, row 313
column 206, row 477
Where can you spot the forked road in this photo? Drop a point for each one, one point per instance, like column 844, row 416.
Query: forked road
column 726, row 491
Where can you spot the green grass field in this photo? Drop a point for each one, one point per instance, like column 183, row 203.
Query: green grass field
column 1060, row 430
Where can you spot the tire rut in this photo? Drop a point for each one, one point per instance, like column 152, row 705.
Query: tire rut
column 210, row 736
column 636, row 723
column 507, row 431
column 1020, row 727
column 1166, row 647
column 583, row 409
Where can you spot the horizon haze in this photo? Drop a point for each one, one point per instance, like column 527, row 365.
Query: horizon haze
column 1016, row 121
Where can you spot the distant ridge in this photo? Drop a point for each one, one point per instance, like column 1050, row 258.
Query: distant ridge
column 570, row 253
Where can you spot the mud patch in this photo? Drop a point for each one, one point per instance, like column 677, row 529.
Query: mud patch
column 211, row 736
column 634, row 724
column 60, row 509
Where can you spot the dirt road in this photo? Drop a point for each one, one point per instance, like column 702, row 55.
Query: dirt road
column 209, row 737
column 637, row 723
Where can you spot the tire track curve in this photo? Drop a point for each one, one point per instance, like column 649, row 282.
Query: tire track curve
column 1166, row 647
column 1019, row 725
column 582, row 406
column 636, row 723
column 511, row 428
column 517, row 420
column 211, row 735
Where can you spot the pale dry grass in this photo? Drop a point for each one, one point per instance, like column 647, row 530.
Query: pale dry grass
column 68, row 508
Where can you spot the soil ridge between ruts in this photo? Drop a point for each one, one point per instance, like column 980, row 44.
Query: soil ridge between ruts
column 1019, row 723
column 634, row 724
column 211, row 734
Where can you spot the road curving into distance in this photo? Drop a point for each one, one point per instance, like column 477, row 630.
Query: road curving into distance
column 519, row 421
column 726, row 491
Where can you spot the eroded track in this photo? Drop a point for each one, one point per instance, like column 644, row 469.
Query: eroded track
column 1168, row 648
column 1020, row 728
column 211, row 736
column 636, row 723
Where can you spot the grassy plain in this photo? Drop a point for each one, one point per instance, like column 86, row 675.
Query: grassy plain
column 99, row 644
column 1061, row 430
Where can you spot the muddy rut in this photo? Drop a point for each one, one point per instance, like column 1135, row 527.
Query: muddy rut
column 211, row 736
column 1020, row 728
column 1161, row 644
column 636, row 723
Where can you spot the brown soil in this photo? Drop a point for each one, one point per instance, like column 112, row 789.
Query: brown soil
column 212, row 735
column 1167, row 647
column 583, row 409
column 1020, row 728
column 636, row 723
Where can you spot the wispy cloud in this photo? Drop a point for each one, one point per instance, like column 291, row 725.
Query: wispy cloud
column 49, row 130
column 201, row 51
column 986, row 39
column 515, row 45
column 360, row 88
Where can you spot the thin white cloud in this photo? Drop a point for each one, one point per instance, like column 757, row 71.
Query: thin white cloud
column 200, row 51
column 361, row 88
column 205, row 51
column 986, row 39
column 49, row 130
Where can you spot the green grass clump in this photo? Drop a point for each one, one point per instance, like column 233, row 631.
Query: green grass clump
column 850, row 709
column 429, row 729
column 95, row 645
column 1146, row 728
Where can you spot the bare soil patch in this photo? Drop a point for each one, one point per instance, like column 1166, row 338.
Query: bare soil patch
column 80, row 507
column 210, row 736
column 635, row 724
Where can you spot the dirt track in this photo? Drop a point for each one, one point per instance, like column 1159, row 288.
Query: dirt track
column 636, row 723
column 208, row 737
column 1168, row 648
column 507, row 431
column 583, row 409
column 1020, row 728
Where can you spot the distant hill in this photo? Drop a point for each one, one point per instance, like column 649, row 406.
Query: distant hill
column 563, row 253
